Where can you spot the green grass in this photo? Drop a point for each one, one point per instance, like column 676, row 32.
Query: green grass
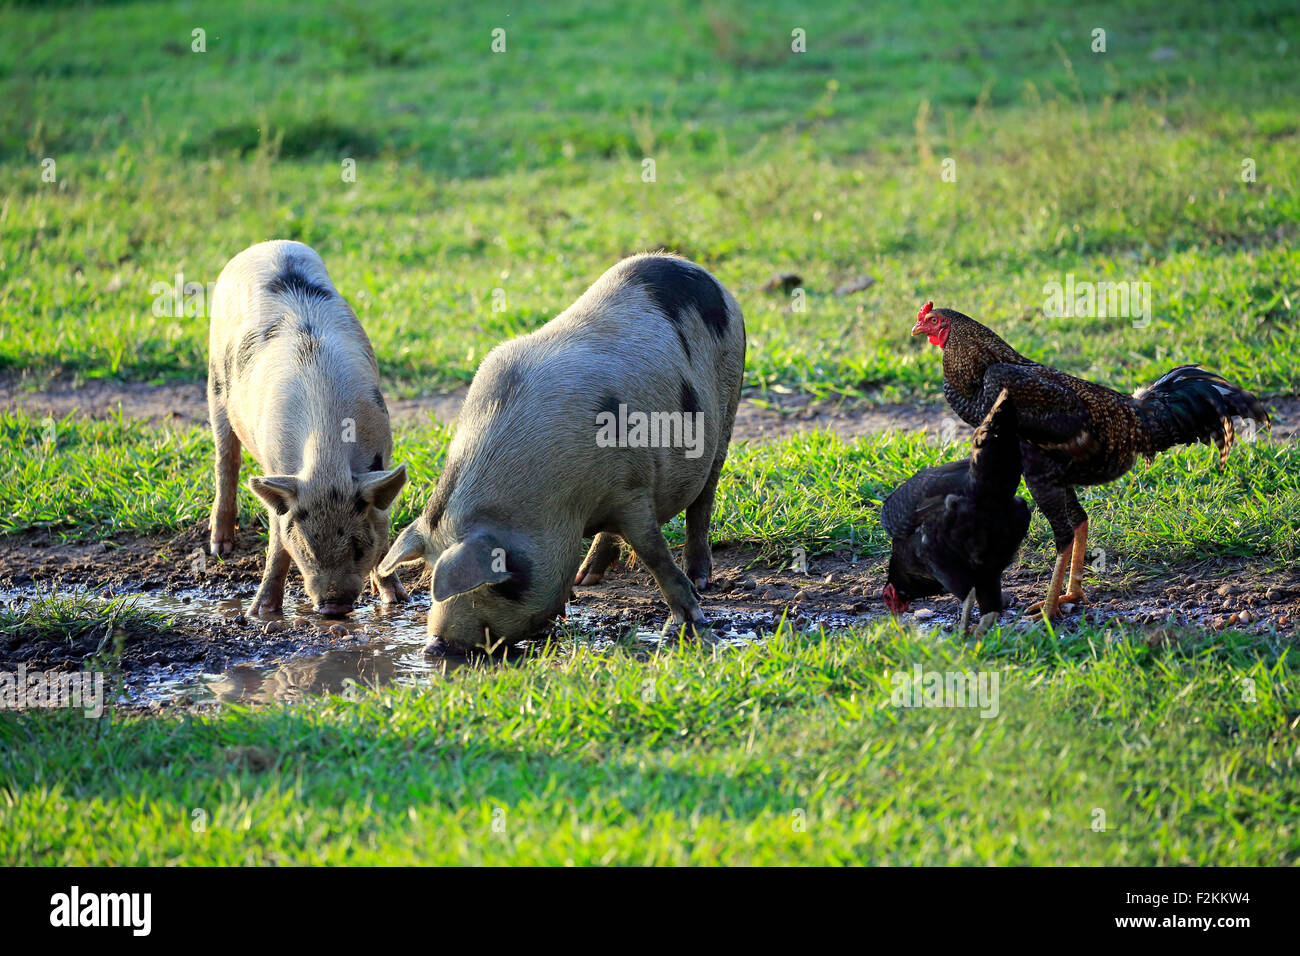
column 68, row 617
column 100, row 478
column 789, row 752
column 473, row 176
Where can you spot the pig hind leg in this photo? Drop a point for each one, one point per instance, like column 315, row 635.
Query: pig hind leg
column 699, row 556
column 646, row 537
column 221, row 526
column 604, row 551
column 270, row 593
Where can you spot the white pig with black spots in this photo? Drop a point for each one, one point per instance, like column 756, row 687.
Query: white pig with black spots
column 292, row 378
column 606, row 422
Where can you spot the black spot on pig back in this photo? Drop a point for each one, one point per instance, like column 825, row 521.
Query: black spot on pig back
column 289, row 281
column 508, row 386
column 253, row 340
column 690, row 401
column 608, row 403
column 680, row 289
column 249, row 343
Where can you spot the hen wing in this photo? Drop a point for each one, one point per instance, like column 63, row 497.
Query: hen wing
column 903, row 511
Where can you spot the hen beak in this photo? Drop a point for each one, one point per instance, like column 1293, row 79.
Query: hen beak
column 918, row 329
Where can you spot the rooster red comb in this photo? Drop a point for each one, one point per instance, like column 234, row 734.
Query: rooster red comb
column 925, row 310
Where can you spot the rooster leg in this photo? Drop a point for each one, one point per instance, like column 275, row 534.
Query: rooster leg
column 1051, row 606
column 1071, row 558
column 1074, row 594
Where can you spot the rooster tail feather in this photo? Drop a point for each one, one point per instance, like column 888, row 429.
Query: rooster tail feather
column 1191, row 404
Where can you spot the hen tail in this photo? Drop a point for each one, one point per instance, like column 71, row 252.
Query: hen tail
column 995, row 453
column 1190, row 404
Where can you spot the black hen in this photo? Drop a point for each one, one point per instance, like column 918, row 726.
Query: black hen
column 957, row 526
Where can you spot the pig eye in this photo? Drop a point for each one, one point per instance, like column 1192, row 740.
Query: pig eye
column 358, row 549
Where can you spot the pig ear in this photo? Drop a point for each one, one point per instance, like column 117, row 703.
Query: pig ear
column 411, row 545
column 469, row 564
column 278, row 491
column 380, row 488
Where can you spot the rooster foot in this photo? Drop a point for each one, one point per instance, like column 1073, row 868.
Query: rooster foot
column 1072, row 598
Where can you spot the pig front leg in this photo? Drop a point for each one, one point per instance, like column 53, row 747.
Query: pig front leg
column 389, row 588
column 646, row 537
column 270, row 593
column 221, row 525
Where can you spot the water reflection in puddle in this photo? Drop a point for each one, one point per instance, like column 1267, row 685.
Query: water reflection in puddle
column 392, row 653
column 347, row 672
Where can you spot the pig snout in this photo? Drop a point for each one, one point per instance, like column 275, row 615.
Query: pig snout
column 334, row 608
column 337, row 597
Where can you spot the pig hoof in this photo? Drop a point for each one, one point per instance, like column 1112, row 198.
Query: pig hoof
column 700, row 583
column 586, row 580
column 396, row 594
column 678, row 626
column 220, row 547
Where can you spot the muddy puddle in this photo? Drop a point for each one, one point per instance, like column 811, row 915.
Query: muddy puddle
column 378, row 646
column 302, row 654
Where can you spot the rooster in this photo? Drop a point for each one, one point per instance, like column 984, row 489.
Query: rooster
column 1074, row 432
column 957, row 526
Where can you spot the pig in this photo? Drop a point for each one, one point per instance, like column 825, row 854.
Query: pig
column 292, row 378
column 557, row 442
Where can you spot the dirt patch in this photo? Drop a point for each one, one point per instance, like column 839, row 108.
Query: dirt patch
column 779, row 416
column 181, row 404
column 133, row 564
column 750, row 595
column 759, row 418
